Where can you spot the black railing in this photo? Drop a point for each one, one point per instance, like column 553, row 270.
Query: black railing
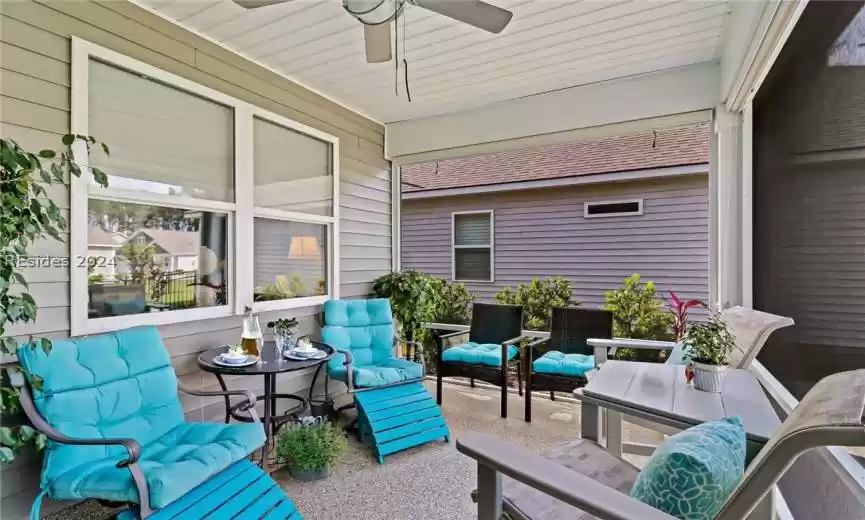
column 167, row 290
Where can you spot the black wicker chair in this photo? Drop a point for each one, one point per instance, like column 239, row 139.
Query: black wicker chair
column 560, row 371
column 492, row 324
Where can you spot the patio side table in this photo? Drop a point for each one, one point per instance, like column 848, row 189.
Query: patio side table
column 659, row 394
column 270, row 365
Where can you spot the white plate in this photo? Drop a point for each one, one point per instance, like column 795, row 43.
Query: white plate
column 251, row 360
column 318, row 355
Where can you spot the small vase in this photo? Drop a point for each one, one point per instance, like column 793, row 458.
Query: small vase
column 309, row 475
column 285, row 338
column 709, row 378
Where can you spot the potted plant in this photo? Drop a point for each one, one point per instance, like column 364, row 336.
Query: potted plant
column 708, row 346
column 285, row 331
column 310, row 450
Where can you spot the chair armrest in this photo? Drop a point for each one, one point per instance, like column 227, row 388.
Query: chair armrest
column 555, row 480
column 453, row 334
column 536, row 343
column 132, row 447
column 514, row 340
column 248, row 406
column 349, row 358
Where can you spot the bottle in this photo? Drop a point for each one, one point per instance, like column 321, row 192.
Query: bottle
column 250, row 337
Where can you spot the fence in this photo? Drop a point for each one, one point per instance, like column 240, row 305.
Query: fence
column 169, row 290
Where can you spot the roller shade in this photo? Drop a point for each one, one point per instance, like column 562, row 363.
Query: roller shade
column 472, row 229
column 162, row 139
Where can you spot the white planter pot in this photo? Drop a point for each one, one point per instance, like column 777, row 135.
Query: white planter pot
column 708, row 378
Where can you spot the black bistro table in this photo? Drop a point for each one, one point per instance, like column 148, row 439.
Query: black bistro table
column 269, row 366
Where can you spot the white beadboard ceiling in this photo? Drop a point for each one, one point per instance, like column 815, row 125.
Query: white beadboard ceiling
column 549, row 45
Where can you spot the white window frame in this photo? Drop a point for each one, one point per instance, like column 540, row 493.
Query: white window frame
column 587, row 205
column 491, row 245
column 241, row 212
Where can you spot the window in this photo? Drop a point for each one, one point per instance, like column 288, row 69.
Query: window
column 473, row 241
column 613, row 208
column 212, row 204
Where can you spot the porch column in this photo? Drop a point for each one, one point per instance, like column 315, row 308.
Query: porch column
column 726, row 215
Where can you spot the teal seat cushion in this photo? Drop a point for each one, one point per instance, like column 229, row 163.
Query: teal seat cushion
column 173, row 465
column 384, row 372
column 558, row 363
column 122, row 385
column 478, row 354
column 691, row 474
column 119, row 385
column 365, row 327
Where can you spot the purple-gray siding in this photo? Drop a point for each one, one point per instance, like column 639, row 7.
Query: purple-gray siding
column 543, row 232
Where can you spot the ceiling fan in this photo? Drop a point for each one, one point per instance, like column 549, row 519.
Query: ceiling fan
column 378, row 15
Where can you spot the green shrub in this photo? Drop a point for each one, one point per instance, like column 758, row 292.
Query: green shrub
column 538, row 299
column 308, row 448
column 452, row 302
column 411, row 299
column 639, row 314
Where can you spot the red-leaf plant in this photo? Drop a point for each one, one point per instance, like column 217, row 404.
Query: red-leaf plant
column 679, row 308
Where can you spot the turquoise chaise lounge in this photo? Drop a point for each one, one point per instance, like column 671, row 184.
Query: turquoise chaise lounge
column 395, row 411
column 109, row 407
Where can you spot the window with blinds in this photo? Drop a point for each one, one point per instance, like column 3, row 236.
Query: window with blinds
column 473, row 246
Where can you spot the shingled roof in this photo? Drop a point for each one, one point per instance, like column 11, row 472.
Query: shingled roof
column 664, row 148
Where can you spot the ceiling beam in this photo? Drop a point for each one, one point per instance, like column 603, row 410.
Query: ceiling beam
column 679, row 91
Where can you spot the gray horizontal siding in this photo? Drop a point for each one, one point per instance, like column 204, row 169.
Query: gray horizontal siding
column 34, row 110
column 540, row 233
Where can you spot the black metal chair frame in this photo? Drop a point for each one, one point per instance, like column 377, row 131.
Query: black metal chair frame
column 491, row 324
column 570, row 327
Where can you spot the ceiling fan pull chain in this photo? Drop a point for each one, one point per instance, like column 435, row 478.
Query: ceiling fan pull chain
column 396, row 49
column 405, row 61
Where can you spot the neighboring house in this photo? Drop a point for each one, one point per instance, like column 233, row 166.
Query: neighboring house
column 176, row 250
column 594, row 211
column 102, row 247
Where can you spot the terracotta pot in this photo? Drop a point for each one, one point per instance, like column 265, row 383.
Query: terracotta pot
column 709, row 378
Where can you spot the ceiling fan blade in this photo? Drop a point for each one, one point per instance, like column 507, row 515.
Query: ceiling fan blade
column 377, row 41
column 252, row 4
column 473, row 12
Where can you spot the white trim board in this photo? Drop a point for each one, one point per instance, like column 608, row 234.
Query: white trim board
column 632, row 175
column 673, row 92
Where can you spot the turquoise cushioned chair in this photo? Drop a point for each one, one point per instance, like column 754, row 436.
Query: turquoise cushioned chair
column 394, row 409
column 493, row 340
column 365, row 329
column 110, row 403
column 560, row 363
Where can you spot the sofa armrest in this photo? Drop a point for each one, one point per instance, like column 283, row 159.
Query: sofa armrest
column 553, row 479
column 132, row 447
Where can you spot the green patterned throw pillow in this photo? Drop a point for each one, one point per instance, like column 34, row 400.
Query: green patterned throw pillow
column 692, row 473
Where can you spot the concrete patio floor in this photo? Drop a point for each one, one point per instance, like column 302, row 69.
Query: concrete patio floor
column 434, row 481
